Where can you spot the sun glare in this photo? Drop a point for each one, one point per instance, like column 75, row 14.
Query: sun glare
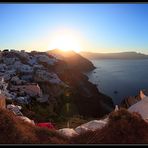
column 65, row 41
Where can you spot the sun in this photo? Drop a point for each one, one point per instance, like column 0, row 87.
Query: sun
column 66, row 41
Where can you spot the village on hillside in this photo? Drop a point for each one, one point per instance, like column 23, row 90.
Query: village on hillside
column 17, row 75
column 17, row 84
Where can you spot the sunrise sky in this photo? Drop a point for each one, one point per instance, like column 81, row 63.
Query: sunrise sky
column 87, row 27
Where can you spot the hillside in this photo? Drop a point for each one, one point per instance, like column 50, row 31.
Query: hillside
column 44, row 84
column 73, row 60
column 121, row 55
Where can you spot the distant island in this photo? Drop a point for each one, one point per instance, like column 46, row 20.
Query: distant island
column 120, row 55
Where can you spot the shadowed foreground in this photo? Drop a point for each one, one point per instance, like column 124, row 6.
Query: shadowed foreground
column 16, row 131
column 122, row 128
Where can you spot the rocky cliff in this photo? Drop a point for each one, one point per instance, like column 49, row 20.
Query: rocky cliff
column 73, row 60
column 61, row 80
column 86, row 97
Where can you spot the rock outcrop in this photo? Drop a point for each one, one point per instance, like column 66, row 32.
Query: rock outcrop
column 128, row 101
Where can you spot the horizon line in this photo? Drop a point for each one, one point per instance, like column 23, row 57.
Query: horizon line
column 11, row 49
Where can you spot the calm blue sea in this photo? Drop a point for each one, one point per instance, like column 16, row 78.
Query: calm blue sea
column 126, row 77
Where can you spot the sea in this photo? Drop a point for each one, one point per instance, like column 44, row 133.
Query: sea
column 120, row 78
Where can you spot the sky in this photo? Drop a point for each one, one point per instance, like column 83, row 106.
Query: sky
column 98, row 27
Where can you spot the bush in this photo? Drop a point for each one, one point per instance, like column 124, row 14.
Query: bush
column 40, row 112
column 123, row 128
column 16, row 131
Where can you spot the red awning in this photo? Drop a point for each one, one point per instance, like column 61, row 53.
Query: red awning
column 49, row 125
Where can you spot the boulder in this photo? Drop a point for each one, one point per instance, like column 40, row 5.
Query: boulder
column 91, row 126
column 68, row 132
column 26, row 119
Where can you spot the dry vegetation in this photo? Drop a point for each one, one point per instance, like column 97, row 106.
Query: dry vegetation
column 16, row 131
column 123, row 128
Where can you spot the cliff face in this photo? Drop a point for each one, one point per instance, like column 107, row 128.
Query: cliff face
column 88, row 100
column 86, row 97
